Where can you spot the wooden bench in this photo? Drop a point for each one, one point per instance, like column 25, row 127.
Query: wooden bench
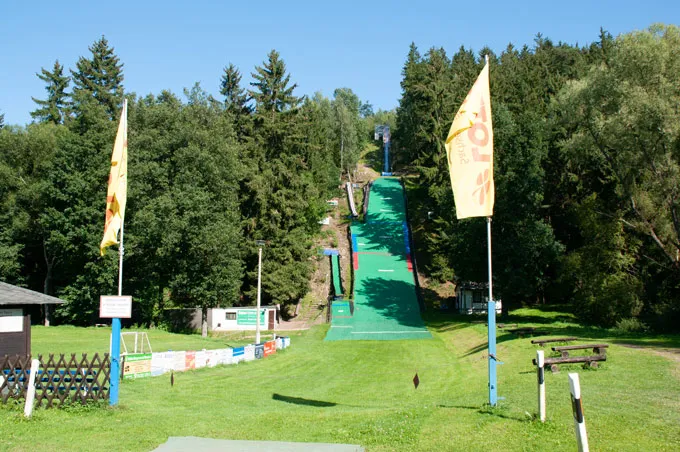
column 590, row 360
column 598, row 349
column 506, row 325
column 542, row 342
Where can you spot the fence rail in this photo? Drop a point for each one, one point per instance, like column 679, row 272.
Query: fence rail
column 59, row 379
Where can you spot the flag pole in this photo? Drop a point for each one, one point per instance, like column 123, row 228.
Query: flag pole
column 121, row 252
column 114, row 377
column 491, row 314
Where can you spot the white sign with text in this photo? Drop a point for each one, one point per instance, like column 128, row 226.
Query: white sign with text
column 11, row 320
column 115, row 307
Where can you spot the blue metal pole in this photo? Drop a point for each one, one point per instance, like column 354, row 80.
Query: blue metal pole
column 386, row 163
column 491, row 314
column 493, row 393
column 114, row 377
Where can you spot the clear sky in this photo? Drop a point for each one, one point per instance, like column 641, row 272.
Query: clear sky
column 326, row 45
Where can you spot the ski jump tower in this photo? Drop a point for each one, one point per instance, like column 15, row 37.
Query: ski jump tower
column 384, row 132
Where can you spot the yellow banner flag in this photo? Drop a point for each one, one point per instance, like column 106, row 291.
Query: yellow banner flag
column 116, row 194
column 469, row 148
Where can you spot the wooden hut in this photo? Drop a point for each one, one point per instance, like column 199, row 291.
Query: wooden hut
column 16, row 304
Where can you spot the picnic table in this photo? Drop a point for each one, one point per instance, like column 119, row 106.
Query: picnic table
column 599, row 355
column 598, row 349
column 542, row 342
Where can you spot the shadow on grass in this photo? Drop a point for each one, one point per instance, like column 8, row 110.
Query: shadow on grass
column 301, row 401
column 485, row 345
column 443, row 321
column 560, row 325
column 498, row 411
column 393, row 299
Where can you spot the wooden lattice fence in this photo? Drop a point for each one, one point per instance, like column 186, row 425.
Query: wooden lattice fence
column 58, row 380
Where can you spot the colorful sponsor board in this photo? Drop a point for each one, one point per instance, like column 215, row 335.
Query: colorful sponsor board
column 225, row 356
column 259, row 351
column 137, row 365
column 269, row 348
column 190, row 361
column 211, row 358
column 249, row 352
column 201, row 359
column 238, row 354
column 161, row 363
column 179, row 361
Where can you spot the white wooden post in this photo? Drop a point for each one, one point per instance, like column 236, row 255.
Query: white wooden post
column 540, row 372
column 577, row 408
column 30, row 393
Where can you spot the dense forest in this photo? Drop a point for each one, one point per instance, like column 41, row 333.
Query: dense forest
column 586, row 163
column 587, row 152
column 208, row 177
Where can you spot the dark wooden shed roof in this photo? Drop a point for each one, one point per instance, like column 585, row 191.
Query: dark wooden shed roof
column 10, row 294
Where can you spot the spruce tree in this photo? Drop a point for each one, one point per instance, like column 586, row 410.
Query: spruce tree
column 273, row 95
column 236, row 100
column 54, row 108
column 281, row 202
column 235, row 97
column 98, row 82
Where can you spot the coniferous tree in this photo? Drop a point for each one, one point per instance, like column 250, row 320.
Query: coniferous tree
column 236, row 101
column 281, row 201
column 272, row 93
column 55, row 108
column 97, row 84
column 235, row 97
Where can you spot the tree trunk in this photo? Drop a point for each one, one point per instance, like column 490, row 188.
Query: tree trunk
column 204, row 321
column 342, row 149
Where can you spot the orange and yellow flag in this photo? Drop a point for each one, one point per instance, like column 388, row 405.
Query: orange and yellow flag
column 117, row 191
column 469, row 148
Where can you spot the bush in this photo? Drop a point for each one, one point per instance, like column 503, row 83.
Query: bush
column 631, row 325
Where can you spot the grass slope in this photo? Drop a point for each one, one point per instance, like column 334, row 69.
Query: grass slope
column 361, row 392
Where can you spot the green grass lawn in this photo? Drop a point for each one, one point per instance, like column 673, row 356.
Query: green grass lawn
column 71, row 339
column 361, row 392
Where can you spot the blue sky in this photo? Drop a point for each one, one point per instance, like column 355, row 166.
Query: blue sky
column 326, row 45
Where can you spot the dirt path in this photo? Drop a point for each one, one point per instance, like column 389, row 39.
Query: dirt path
column 672, row 354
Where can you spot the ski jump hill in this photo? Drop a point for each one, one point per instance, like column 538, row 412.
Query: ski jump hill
column 385, row 302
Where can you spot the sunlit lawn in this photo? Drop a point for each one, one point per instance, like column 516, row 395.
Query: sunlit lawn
column 362, row 393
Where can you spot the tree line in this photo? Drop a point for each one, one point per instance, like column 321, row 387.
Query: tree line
column 587, row 152
column 207, row 178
